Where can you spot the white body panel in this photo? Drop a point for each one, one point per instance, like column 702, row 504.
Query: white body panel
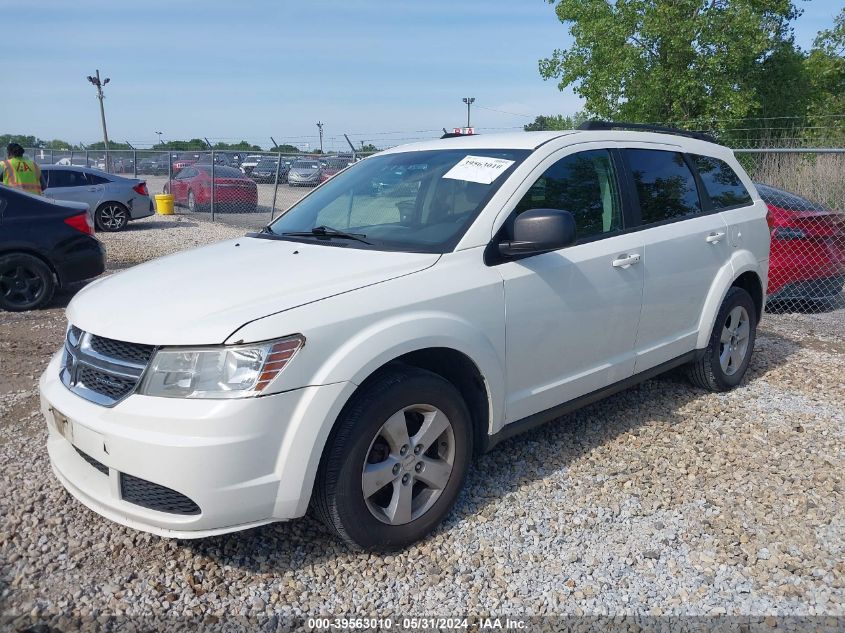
column 541, row 331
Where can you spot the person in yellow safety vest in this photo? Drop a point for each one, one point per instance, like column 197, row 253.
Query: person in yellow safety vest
column 20, row 172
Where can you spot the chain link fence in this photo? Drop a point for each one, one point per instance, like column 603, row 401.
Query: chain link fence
column 803, row 187
column 805, row 192
column 246, row 189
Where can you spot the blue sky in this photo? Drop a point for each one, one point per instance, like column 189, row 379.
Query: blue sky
column 382, row 71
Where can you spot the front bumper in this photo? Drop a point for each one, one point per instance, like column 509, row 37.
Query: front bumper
column 243, row 462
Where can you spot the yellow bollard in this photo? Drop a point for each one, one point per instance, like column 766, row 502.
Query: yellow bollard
column 164, row 203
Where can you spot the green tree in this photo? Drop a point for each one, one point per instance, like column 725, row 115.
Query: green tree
column 286, row 148
column 825, row 69
column 555, row 122
column 668, row 60
column 243, row 146
column 21, row 139
column 182, row 146
column 368, row 148
column 113, row 145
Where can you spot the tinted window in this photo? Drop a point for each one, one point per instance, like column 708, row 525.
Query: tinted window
column 67, row 178
column 665, row 185
column 94, row 179
column 721, row 183
column 583, row 184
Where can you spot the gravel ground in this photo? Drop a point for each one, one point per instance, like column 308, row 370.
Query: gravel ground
column 661, row 500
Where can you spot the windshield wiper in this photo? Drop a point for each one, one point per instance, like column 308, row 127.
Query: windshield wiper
column 329, row 232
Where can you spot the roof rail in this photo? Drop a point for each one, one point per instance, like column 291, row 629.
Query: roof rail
column 645, row 127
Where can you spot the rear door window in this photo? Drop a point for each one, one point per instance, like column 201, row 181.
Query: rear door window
column 664, row 184
column 721, row 183
column 67, row 178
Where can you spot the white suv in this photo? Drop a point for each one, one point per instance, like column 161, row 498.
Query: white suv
column 405, row 316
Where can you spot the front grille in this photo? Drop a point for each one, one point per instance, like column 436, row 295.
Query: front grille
column 149, row 495
column 102, row 370
column 131, row 352
column 114, row 387
column 98, row 465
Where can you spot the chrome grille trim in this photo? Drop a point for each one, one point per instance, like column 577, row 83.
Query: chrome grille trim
column 101, row 378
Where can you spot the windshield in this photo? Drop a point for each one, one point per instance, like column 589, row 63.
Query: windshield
column 221, row 172
column 413, row 201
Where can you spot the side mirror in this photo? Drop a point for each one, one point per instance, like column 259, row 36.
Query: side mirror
column 539, row 231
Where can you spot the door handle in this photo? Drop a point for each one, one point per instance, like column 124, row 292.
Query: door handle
column 715, row 238
column 624, row 261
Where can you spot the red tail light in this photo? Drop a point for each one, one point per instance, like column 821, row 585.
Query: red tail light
column 141, row 188
column 81, row 222
column 770, row 219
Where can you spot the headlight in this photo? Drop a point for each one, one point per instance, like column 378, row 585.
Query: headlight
column 227, row 371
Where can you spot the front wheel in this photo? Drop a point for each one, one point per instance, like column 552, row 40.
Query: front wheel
column 396, row 461
column 192, row 202
column 728, row 353
column 111, row 216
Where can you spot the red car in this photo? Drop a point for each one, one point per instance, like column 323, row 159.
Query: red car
column 184, row 160
column 331, row 167
column 232, row 190
column 807, row 261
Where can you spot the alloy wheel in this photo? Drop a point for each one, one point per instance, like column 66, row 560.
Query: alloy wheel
column 192, row 202
column 112, row 217
column 733, row 343
column 408, row 464
column 20, row 285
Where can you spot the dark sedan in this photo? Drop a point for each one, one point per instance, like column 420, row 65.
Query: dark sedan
column 43, row 245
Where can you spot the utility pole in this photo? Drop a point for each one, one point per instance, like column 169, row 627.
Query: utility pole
column 469, row 101
column 99, row 85
column 320, row 127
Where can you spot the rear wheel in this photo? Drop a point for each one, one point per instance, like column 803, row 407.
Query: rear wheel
column 26, row 282
column 728, row 353
column 396, row 461
column 192, row 202
column 111, row 216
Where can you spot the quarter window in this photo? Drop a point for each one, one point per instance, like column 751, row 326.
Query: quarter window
column 664, row 183
column 583, row 184
column 94, row 179
column 721, row 183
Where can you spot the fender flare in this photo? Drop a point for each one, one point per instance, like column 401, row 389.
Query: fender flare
column 740, row 262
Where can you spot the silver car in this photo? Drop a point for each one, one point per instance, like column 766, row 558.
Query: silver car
column 113, row 200
column 304, row 172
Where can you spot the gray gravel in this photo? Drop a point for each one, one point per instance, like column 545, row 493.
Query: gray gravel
column 661, row 500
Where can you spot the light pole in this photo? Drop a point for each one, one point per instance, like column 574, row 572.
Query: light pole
column 320, row 127
column 159, row 137
column 99, row 85
column 469, row 101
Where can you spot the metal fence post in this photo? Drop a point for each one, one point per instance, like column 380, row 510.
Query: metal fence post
column 170, row 173
column 134, row 163
column 52, row 160
column 276, row 188
column 213, row 186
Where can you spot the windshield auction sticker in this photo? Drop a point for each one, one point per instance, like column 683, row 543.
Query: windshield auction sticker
column 478, row 169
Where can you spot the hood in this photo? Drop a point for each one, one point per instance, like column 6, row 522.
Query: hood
column 202, row 296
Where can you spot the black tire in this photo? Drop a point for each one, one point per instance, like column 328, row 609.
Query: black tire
column 26, row 282
column 191, row 202
column 111, row 217
column 708, row 372
column 338, row 498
